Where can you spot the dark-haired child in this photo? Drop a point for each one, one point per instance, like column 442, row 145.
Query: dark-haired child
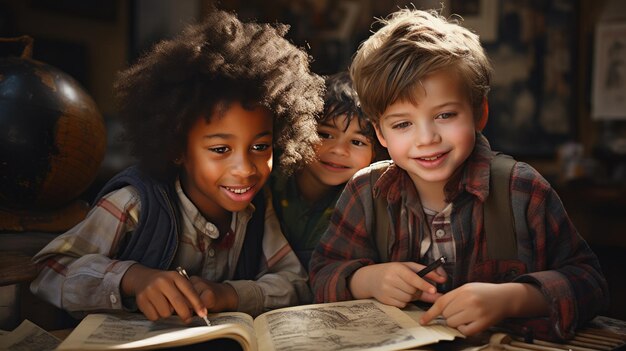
column 424, row 81
column 204, row 112
column 305, row 200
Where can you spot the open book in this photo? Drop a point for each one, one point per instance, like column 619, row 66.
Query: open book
column 348, row 325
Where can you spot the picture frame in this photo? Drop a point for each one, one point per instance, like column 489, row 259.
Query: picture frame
column 609, row 72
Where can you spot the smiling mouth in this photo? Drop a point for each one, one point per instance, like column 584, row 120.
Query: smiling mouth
column 334, row 165
column 238, row 190
column 431, row 158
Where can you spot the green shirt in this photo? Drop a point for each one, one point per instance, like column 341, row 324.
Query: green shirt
column 303, row 223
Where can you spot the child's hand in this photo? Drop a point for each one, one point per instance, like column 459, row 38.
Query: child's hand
column 216, row 297
column 161, row 293
column 470, row 308
column 395, row 283
column 475, row 307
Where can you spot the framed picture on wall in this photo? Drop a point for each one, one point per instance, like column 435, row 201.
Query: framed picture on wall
column 609, row 72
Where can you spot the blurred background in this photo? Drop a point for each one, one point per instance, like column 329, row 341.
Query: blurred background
column 558, row 99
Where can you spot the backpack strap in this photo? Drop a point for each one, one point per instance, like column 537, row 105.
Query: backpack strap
column 381, row 217
column 499, row 222
column 251, row 250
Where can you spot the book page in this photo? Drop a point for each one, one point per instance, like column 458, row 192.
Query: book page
column 28, row 336
column 438, row 325
column 348, row 325
column 134, row 332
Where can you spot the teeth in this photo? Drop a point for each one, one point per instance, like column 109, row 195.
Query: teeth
column 335, row 165
column 238, row 191
column 431, row 158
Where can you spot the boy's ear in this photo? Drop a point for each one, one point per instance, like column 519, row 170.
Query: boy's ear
column 379, row 135
column 483, row 119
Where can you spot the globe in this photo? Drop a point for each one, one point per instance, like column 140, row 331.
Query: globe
column 52, row 136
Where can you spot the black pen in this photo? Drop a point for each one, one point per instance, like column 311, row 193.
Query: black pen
column 431, row 267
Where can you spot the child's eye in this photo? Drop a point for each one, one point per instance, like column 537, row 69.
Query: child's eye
column 445, row 115
column 219, row 149
column 324, row 135
column 401, row 125
column 260, row 147
column 358, row 143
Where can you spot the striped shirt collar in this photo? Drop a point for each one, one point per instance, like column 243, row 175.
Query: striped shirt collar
column 191, row 213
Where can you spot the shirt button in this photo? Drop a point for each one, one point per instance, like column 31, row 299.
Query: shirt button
column 440, row 233
column 211, row 230
column 113, row 299
column 211, row 252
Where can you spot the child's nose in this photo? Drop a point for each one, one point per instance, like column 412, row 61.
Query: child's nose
column 340, row 148
column 426, row 133
column 244, row 167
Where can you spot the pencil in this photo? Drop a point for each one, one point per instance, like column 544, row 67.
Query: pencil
column 436, row 264
column 183, row 272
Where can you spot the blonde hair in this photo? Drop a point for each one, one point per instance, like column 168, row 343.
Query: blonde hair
column 411, row 44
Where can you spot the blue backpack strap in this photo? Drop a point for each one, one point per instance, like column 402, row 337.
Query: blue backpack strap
column 249, row 260
column 155, row 239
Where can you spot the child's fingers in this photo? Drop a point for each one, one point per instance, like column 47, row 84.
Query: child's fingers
column 394, row 302
column 434, row 311
column 199, row 285
column 418, row 283
column 146, row 307
column 405, row 286
column 423, row 285
column 428, row 297
column 161, row 304
column 436, row 276
column 465, row 322
column 192, row 299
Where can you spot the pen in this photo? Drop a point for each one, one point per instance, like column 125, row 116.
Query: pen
column 437, row 263
column 183, row 272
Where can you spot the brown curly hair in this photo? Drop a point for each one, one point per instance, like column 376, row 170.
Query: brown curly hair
column 209, row 65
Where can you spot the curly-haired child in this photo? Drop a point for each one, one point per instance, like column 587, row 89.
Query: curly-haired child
column 203, row 112
column 305, row 199
column 424, row 81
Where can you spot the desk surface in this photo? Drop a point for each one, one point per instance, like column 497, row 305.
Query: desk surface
column 16, row 251
column 16, row 267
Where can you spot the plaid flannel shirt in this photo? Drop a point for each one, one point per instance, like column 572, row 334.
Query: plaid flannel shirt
column 79, row 271
column 551, row 254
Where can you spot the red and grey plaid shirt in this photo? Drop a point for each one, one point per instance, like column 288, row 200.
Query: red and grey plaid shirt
column 551, row 253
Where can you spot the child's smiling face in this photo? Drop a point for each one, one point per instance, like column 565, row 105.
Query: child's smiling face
column 434, row 137
column 227, row 160
column 343, row 151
